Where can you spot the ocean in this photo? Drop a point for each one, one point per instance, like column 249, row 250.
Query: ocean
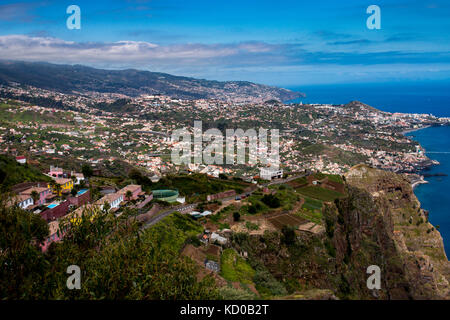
column 430, row 98
column 435, row 196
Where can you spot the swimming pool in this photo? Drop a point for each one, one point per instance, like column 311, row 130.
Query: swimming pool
column 52, row 205
column 82, row 191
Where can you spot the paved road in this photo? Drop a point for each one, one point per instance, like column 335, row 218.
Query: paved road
column 184, row 208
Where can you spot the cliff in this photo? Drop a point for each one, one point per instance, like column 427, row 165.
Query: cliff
column 383, row 221
column 378, row 222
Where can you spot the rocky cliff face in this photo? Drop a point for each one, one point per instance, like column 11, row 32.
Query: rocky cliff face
column 381, row 223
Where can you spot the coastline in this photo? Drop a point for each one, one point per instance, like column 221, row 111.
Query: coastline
column 414, row 184
column 413, row 130
column 430, row 195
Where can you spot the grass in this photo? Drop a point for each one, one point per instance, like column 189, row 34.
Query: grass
column 251, row 226
column 197, row 186
column 319, row 193
column 311, row 215
column 12, row 173
column 234, row 268
column 335, row 178
column 172, row 232
column 312, row 204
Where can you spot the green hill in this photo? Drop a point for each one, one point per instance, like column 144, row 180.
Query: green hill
column 12, row 172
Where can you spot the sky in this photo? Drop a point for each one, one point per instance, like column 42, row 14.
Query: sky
column 277, row 42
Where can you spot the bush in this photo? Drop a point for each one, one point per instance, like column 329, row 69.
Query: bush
column 288, row 235
column 236, row 216
column 265, row 281
column 271, row 200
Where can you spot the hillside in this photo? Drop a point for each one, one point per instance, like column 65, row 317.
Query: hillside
column 11, row 173
column 131, row 82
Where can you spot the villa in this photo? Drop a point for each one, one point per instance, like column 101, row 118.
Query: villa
column 114, row 200
column 66, row 185
column 135, row 190
column 41, row 191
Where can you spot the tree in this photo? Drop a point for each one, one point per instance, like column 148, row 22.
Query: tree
column 223, row 176
column 106, row 206
column 236, row 216
column 58, row 189
column 87, row 170
column 128, row 195
column 22, row 262
column 251, row 209
column 35, row 196
column 137, row 176
column 288, row 234
column 271, row 200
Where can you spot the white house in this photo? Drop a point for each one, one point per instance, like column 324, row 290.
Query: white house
column 269, row 174
column 24, row 201
column 216, row 237
column 21, row 159
column 114, row 200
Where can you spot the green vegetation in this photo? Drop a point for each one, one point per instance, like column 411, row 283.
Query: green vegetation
column 319, row 193
column 335, row 178
column 12, row 172
column 117, row 260
column 312, row 204
column 234, row 268
column 197, row 186
column 271, row 200
column 251, row 226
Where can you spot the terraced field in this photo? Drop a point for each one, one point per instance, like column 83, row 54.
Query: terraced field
column 286, row 219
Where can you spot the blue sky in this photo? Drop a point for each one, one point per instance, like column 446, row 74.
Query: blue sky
column 284, row 43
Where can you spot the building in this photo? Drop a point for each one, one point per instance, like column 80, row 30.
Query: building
column 215, row 237
column 78, row 176
column 41, row 191
column 269, row 174
column 56, row 172
column 82, row 197
column 65, row 185
column 114, row 200
column 21, row 159
column 54, row 235
column 55, row 210
column 135, row 190
column 24, row 201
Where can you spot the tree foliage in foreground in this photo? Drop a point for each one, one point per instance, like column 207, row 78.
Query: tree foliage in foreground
column 116, row 259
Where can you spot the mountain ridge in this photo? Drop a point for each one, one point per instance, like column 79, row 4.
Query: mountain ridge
column 132, row 82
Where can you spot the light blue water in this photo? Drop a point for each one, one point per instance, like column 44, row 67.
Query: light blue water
column 425, row 97
column 51, row 206
column 82, row 191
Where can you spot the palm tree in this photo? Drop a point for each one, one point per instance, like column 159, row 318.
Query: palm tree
column 58, row 189
column 128, row 195
column 35, row 196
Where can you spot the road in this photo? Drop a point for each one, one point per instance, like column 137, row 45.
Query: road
column 183, row 208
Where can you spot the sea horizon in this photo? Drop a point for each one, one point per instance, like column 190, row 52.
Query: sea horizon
column 427, row 97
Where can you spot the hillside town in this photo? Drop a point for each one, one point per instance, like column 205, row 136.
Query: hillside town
column 138, row 131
